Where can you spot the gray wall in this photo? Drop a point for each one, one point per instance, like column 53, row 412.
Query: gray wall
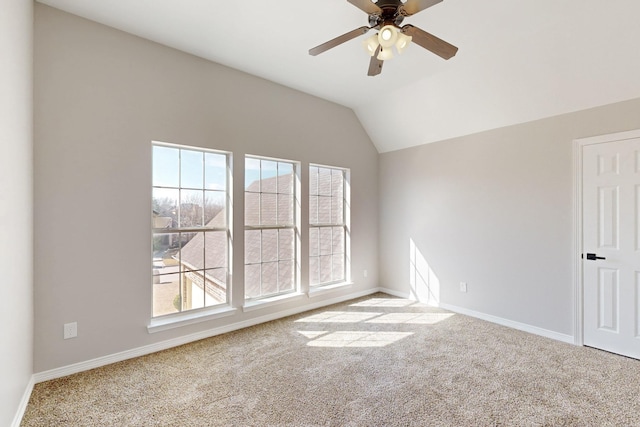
column 16, row 205
column 101, row 97
column 494, row 210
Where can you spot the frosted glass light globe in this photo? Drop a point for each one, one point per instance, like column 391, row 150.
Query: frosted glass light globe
column 387, row 36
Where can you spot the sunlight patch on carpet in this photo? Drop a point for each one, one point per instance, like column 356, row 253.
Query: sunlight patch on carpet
column 383, row 302
column 312, row 334
column 339, row 317
column 358, row 339
column 412, row 318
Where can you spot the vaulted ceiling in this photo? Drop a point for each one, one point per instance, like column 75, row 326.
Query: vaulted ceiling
column 517, row 61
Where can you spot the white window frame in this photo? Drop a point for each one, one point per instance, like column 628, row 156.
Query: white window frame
column 167, row 321
column 250, row 302
column 345, row 224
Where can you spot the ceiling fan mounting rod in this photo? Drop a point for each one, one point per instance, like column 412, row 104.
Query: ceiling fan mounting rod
column 389, row 4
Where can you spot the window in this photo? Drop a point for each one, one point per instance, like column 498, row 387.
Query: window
column 328, row 231
column 270, row 227
column 191, row 237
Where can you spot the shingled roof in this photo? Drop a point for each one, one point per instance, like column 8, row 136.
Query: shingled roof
column 267, row 202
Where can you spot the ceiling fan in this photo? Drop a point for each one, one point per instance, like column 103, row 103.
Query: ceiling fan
column 386, row 16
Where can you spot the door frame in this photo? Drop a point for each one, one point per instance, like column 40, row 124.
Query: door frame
column 578, row 285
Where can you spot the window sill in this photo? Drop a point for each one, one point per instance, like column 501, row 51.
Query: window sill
column 268, row 302
column 319, row 290
column 189, row 318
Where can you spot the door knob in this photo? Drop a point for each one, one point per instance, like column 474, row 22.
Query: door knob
column 593, row 257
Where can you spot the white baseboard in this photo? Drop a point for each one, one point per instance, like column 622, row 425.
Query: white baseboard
column 164, row 345
column 23, row 403
column 175, row 342
column 395, row 293
column 569, row 339
column 511, row 324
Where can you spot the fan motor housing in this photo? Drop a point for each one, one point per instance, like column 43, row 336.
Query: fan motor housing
column 388, row 4
column 391, row 13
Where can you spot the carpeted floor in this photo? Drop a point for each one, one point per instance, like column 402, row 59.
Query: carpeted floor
column 375, row 361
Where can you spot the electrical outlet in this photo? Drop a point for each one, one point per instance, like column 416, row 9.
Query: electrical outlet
column 365, row 273
column 463, row 286
column 70, row 330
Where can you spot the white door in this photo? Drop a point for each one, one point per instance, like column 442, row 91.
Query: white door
column 611, row 217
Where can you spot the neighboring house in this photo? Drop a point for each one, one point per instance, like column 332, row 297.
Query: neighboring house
column 204, row 278
column 161, row 221
column 203, row 259
column 269, row 252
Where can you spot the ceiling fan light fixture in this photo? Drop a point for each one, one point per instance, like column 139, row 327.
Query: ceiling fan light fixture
column 385, row 54
column 386, row 17
column 387, row 36
column 403, row 42
column 371, row 44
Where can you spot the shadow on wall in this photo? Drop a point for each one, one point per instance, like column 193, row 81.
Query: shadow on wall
column 423, row 282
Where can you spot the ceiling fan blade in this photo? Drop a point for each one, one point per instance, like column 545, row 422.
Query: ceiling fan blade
column 430, row 42
column 367, row 5
column 338, row 40
column 375, row 66
column 411, row 7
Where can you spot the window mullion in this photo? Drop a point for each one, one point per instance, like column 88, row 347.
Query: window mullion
column 270, row 227
column 277, row 193
column 277, row 259
column 180, row 272
column 204, row 262
column 187, row 229
column 261, row 257
column 179, row 188
column 204, row 198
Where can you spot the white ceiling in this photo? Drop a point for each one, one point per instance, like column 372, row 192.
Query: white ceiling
column 518, row 60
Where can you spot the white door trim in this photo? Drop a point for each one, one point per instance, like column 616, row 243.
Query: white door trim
column 578, row 145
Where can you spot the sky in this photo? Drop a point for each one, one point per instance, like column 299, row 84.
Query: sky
column 175, row 167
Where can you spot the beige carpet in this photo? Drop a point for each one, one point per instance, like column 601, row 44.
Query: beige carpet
column 375, row 361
